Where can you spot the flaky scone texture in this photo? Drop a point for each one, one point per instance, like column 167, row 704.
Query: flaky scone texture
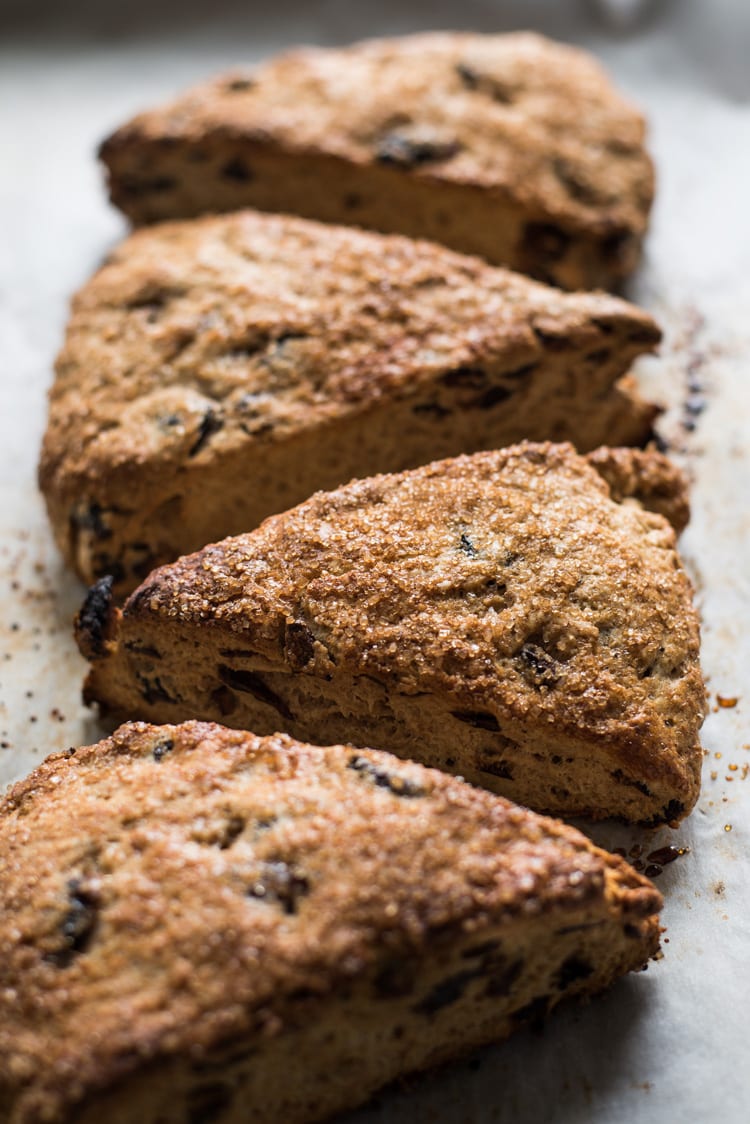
column 218, row 371
column 508, row 146
column 503, row 616
column 198, row 923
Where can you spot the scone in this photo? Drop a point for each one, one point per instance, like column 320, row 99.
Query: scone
column 508, row 146
column 221, row 370
column 203, row 925
column 501, row 616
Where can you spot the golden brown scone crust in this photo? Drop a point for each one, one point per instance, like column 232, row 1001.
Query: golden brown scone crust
column 175, row 890
column 648, row 478
column 542, row 632
column 509, row 146
column 218, row 371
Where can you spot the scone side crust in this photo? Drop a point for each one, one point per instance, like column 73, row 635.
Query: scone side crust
column 530, row 120
column 164, row 813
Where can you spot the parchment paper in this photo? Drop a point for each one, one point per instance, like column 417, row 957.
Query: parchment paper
column 666, row 1045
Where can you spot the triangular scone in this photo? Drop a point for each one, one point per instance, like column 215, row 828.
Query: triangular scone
column 508, row 146
column 216, row 372
column 202, row 924
column 498, row 616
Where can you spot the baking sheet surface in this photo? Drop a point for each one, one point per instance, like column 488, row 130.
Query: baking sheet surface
column 665, row 1045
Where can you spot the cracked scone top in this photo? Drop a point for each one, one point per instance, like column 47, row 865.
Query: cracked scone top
column 516, row 617
column 202, row 924
column 218, row 371
column 508, row 146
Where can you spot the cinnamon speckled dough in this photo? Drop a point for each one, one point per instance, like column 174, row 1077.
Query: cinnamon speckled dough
column 501, row 616
column 508, row 146
column 202, row 924
column 221, row 370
